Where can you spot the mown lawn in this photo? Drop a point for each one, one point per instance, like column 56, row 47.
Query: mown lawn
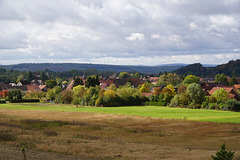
column 147, row 111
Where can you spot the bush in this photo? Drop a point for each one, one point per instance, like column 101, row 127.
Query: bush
column 2, row 101
column 223, row 154
column 24, row 100
column 233, row 105
column 213, row 106
column 155, row 103
column 204, row 104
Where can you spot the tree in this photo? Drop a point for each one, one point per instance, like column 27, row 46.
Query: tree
column 221, row 78
column 77, row 81
column 79, row 91
column 220, row 94
column 233, row 81
column 182, row 89
column 92, row 81
column 124, row 75
column 29, row 76
column 169, row 89
column 168, row 78
column 43, row 76
column 195, row 93
column 223, row 154
column 112, row 87
column 190, row 79
column 67, row 96
column 137, row 75
column 144, row 88
column 51, row 83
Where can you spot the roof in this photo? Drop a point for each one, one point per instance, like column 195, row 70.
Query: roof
column 103, row 85
column 70, row 86
column 32, row 88
column 153, row 78
column 228, row 89
column 146, row 94
column 42, row 86
column 237, row 86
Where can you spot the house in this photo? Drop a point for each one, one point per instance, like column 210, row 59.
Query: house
column 36, row 82
column 43, row 88
column 33, row 88
column 232, row 92
column 210, row 85
column 207, row 80
column 237, row 86
column 22, row 83
column 153, row 79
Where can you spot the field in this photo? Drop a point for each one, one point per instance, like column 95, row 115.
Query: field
column 51, row 131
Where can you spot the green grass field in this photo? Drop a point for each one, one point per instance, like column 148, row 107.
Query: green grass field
column 147, row 111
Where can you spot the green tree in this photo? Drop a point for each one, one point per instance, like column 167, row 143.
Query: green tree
column 190, row 79
column 221, row 78
column 92, row 81
column 233, row 81
column 51, row 83
column 29, row 76
column 223, row 154
column 220, row 94
column 137, row 75
column 77, row 81
column 43, row 76
column 124, row 75
column 195, row 93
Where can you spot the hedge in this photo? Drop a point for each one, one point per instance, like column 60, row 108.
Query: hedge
column 24, row 100
column 155, row 103
column 2, row 101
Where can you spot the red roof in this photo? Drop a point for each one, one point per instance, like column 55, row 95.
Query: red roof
column 228, row 89
column 146, row 94
column 32, row 88
column 237, row 86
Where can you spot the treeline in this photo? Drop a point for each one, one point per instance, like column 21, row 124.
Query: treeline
column 229, row 69
column 95, row 96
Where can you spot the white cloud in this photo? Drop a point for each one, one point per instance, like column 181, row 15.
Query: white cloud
column 136, row 37
column 223, row 20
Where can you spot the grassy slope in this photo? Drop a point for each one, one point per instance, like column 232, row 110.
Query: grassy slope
column 151, row 111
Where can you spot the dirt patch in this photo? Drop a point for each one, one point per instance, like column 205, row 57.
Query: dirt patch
column 109, row 136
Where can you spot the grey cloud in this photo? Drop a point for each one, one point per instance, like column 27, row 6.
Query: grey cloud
column 88, row 30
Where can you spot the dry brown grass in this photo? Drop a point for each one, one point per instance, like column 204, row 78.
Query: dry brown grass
column 107, row 136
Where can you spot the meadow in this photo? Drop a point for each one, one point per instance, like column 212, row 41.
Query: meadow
column 146, row 111
column 51, row 131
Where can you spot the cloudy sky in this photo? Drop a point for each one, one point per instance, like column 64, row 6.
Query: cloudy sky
column 129, row 32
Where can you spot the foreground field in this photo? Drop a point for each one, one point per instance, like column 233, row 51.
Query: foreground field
column 82, row 135
column 147, row 111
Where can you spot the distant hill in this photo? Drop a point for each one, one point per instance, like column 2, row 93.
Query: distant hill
column 60, row 67
column 231, row 68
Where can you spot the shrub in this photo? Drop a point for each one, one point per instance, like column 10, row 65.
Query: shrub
column 155, row 103
column 213, row 106
column 223, row 154
column 2, row 101
column 24, row 100
column 204, row 104
column 233, row 105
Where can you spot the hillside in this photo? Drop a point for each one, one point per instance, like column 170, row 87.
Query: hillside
column 60, row 67
column 230, row 68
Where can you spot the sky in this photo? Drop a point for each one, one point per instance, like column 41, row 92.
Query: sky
column 122, row 32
